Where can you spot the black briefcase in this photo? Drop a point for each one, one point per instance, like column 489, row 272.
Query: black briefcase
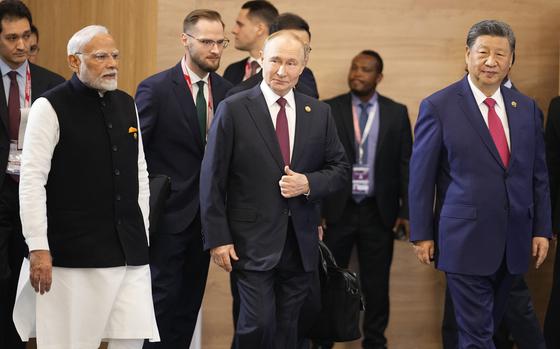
column 341, row 302
column 160, row 187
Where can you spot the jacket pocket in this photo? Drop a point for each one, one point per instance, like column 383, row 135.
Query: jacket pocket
column 458, row 211
column 242, row 214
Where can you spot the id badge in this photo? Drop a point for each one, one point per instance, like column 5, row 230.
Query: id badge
column 14, row 159
column 360, row 180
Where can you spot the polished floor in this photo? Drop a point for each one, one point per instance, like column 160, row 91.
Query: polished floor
column 416, row 303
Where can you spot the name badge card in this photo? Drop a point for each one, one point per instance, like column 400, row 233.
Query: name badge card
column 360, row 180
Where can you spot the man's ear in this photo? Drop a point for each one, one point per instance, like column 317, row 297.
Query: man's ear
column 74, row 63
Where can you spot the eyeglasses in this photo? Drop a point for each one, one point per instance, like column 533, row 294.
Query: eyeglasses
column 101, row 57
column 223, row 43
column 33, row 50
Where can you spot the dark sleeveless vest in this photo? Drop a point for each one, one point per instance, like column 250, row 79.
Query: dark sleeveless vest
column 94, row 220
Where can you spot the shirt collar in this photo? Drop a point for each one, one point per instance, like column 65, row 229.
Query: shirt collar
column 252, row 59
column 5, row 68
column 271, row 97
column 479, row 96
column 193, row 76
column 356, row 101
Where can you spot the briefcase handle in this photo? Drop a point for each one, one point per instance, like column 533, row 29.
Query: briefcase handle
column 327, row 258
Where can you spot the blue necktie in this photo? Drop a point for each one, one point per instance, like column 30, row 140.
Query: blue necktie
column 363, row 121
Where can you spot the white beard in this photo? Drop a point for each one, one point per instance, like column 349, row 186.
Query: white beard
column 97, row 83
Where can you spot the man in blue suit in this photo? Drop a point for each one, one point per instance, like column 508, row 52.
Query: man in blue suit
column 479, row 151
column 175, row 109
column 272, row 155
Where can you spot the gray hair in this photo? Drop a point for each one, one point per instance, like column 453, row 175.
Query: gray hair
column 83, row 36
column 492, row 28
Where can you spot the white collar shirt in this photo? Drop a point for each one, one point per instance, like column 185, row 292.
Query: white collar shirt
column 500, row 108
column 271, row 99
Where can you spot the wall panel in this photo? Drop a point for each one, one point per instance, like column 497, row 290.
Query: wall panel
column 421, row 41
column 133, row 24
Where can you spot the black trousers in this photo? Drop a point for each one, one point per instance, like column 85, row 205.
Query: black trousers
column 519, row 321
column 12, row 251
column 271, row 300
column 179, row 268
column 361, row 225
column 552, row 320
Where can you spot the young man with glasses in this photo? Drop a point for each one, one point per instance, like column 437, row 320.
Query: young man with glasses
column 176, row 108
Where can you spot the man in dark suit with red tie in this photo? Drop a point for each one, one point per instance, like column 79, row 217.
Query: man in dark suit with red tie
column 176, row 108
column 23, row 82
column 272, row 155
column 251, row 28
column 479, row 151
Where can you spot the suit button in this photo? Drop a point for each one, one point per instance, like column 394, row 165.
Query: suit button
column 115, row 148
column 109, row 125
column 103, row 103
column 117, row 172
column 285, row 211
column 118, row 197
column 119, row 221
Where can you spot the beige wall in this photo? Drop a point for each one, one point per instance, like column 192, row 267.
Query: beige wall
column 422, row 42
column 133, row 24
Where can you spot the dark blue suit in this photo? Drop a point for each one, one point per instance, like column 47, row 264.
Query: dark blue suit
column 174, row 147
column 275, row 238
column 485, row 214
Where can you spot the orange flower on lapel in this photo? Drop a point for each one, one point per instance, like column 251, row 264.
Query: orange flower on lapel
column 134, row 131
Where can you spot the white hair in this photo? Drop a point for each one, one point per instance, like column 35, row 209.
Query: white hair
column 83, row 36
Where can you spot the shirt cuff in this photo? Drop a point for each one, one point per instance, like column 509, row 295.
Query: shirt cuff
column 37, row 243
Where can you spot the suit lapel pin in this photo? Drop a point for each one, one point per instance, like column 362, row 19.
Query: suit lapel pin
column 514, row 104
column 307, row 108
column 134, row 131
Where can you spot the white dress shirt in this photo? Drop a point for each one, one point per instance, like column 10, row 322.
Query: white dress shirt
column 271, row 99
column 499, row 107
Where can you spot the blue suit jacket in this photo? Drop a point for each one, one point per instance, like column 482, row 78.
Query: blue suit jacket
column 172, row 140
column 240, row 196
column 483, row 211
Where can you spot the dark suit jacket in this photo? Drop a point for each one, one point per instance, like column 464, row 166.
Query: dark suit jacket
column 235, row 72
column 42, row 80
column 483, row 210
column 306, row 84
column 239, row 192
column 552, row 138
column 172, row 140
column 392, row 154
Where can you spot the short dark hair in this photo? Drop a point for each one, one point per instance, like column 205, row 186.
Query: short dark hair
column 196, row 15
column 14, row 9
column 35, row 31
column 493, row 28
column 262, row 10
column 377, row 57
column 289, row 21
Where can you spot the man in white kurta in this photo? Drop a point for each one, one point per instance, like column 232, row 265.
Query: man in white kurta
column 84, row 200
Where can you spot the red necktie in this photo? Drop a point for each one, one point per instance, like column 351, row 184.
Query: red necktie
column 13, row 106
column 497, row 131
column 282, row 131
column 254, row 66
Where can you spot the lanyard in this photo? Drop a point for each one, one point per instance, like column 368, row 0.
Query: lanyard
column 360, row 139
column 189, row 84
column 27, row 102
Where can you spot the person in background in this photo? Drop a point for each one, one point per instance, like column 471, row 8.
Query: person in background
column 33, row 45
column 22, row 83
column 251, row 28
column 176, row 109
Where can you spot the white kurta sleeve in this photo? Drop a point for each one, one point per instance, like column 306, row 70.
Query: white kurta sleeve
column 143, row 182
column 41, row 137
